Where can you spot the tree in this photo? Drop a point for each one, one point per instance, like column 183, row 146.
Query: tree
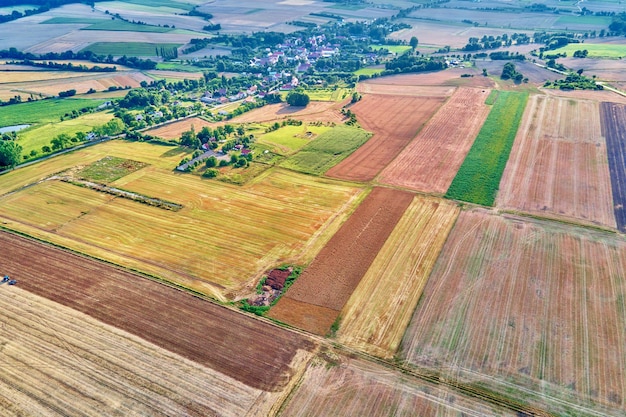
column 211, row 162
column 298, row 98
column 190, row 139
column 61, row 141
column 10, row 153
column 241, row 130
column 413, row 42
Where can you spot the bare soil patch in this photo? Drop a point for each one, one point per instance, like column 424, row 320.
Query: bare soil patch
column 614, row 129
column 175, row 129
column 558, row 165
column 315, row 111
column 174, row 320
column 336, row 271
column 394, row 122
column 430, row 162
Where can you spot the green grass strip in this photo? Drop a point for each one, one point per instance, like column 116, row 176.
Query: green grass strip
column 478, row 178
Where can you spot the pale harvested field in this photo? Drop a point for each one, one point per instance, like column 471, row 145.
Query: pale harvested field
column 335, row 385
column 604, row 95
column 532, row 309
column 315, row 111
column 379, row 310
column 558, row 165
column 57, row 361
column 394, row 121
column 424, row 83
column 403, row 89
column 177, row 75
column 231, row 234
column 430, row 162
column 175, row 129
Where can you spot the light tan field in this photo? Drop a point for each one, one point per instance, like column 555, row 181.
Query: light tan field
column 403, row 88
column 426, row 83
column 430, row 162
column 175, row 129
column 532, row 309
column 558, row 165
column 175, row 75
column 316, row 111
column 594, row 95
column 380, row 309
column 57, row 361
column 334, row 385
column 243, row 230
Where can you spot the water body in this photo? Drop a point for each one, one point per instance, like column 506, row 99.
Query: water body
column 15, row 128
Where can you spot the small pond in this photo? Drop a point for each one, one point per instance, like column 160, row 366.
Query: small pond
column 15, row 128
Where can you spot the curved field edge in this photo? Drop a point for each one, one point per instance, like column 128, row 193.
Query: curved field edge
column 533, row 310
column 479, row 176
column 377, row 314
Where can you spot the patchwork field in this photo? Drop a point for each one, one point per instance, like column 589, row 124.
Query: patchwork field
column 379, row 310
column 394, row 122
column 226, row 244
column 613, row 127
column 532, row 310
column 315, row 300
column 57, row 361
column 432, row 159
column 166, row 317
column 335, row 385
column 558, row 164
column 478, row 177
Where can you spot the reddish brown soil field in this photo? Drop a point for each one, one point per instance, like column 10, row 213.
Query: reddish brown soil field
column 430, row 162
column 558, row 165
column 328, row 282
column 250, row 351
column 175, row 129
column 394, row 122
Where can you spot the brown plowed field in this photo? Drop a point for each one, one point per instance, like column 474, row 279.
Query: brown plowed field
column 558, row 165
column 411, row 82
column 531, row 308
column 430, row 162
column 250, row 351
column 336, row 271
column 175, row 129
column 394, row 122
column 57, row 361
column 335, row 385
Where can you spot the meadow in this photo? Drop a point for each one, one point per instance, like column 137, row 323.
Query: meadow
column 289, row 139
column 43, row 111
column 327, row 150
column 129, row 48
column 120, row 25
column 595, row 50
column 479, row 176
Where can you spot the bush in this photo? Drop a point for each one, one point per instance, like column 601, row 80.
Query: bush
column 296, row 98
column 211, row 173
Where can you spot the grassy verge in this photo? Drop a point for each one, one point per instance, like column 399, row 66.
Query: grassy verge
column 479, row 177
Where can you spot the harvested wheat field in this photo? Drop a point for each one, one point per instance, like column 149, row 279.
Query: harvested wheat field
column 57, row 361
column 394, row 122
column 315, row 111
column 379, row 310
column 596, row 95
column 335, row 385
column 175, row 129
column 614, row 127
column 558, row 165
column 450, row 77
column 327, row 283
column 430, row 162
column 532, row 310
column 171, row 319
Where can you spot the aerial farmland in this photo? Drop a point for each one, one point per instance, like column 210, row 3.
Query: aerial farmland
column 312, row 208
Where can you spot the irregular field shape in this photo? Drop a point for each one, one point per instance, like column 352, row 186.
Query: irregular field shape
column 315, row 111
column 531, row 309
column 171, row 319
column 431, row 160
column 93, row 369
column 379, row 310
column 352, row 387
column 614, row 128
column 336, row 271
column 394, row 122
column 558, row 165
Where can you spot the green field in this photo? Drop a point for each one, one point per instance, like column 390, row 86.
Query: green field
column 327, row 150
column 42, row 111
column 163, row 3
column 328, row 94
column 396, row 49
column 289, row 139
column 71, row 20
column 129, row 48
column 368, row 71
column 120, row 25
column 479, row 177
column 596, row 50
column 602, row 21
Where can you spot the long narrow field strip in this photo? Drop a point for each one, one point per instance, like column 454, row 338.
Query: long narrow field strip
column 57, row 361
column 42, row 111
column 334, row 385
column 432, row 159
column 327, row 283
column 478, row 178
column 171, row 319
column 231, row 234
column 129, row 48
column 394, row 122
column 614, row 129
column 558, row 165
column 379, row 310
column 532, row 310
